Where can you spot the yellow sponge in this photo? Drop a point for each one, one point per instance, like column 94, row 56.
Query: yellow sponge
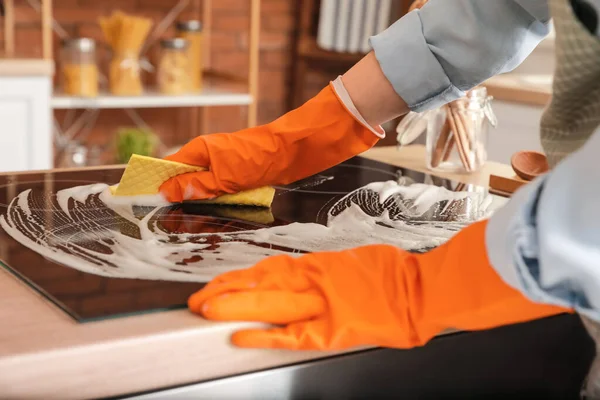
column 262, row 197
column 144, row 175
column 261, row 216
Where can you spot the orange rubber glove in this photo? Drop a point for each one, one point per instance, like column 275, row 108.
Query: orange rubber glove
column 314, row 137
column 375, row 295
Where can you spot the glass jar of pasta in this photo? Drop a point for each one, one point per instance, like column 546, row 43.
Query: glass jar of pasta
column 173, row 68
column 79, row 71
column 192, row 32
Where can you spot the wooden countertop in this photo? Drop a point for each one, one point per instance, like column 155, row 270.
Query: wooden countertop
column 535, row 90
column 413, row 157
column 26, row 67
column 44, row 353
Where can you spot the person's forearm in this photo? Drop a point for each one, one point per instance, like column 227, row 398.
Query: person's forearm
column 434, row 55
column 372, row 94
column 546, row 243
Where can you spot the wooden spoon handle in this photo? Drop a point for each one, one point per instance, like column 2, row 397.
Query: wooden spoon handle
column 460, row 187
column 459, row 135
column 442, row 141
column 464, row 133
column 449, row 147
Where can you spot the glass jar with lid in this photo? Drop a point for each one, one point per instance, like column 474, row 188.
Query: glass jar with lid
column 173, row 68
column 79, row 70
column 192, row 32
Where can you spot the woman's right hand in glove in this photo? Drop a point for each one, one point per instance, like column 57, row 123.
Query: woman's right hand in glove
column 320, row 134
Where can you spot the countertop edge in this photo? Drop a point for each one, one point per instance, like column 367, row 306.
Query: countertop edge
column 515, row 88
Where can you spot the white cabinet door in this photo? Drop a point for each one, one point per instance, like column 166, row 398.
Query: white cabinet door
column 25, row 123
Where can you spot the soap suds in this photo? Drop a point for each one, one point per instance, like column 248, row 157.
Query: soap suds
column 95, row 232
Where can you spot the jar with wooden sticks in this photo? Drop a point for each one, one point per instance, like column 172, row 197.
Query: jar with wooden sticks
column 457, row 133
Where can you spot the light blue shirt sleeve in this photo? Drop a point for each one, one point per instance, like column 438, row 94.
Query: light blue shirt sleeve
column 546, row 241
column 434, row 55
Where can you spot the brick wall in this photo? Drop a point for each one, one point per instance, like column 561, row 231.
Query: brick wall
column 229, row 53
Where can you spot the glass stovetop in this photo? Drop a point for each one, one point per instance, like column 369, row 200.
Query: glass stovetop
column 87, row 296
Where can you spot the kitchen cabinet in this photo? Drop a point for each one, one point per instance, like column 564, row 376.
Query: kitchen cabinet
column 25, row 115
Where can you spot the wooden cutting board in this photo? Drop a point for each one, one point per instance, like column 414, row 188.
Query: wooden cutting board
column 504, row 186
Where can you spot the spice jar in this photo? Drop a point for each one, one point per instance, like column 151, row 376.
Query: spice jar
column 457, row 133
column 192, row 32
column 79, row 72
column 173, row 68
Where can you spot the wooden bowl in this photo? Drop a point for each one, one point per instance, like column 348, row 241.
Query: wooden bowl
column 529, row 164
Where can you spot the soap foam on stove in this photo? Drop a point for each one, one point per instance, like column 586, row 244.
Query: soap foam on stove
column 95, row 232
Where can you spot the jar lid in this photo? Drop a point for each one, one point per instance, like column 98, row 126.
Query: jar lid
column 479, row 98
column 81, row 44
column 176, row 43
column 189, row 26
column 411, row 127
column 478, row 92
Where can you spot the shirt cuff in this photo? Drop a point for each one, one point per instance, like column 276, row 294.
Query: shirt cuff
column 342, row 93
column 402, row 49
column 513, row 247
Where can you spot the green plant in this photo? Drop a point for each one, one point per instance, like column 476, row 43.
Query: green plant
column 134, row 141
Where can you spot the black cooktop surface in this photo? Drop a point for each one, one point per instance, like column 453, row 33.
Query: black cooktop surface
column 85, row 232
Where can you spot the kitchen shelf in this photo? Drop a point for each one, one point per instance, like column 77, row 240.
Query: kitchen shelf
column 208, row 97
column 80, row 113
